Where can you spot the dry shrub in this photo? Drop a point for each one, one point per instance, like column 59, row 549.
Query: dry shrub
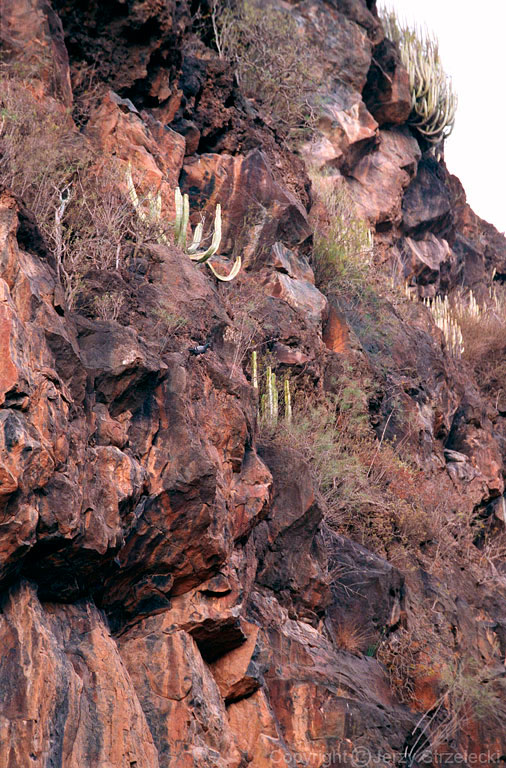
column 88, row 91
column 370, row 490
column 367, row 491
column 109, row 304
column 95, row 228
column 399, row 654
column 168, row 325
column 484, row 333
column 243, row 303
column 468, row 691
column 81, row 206
column 350, row 636
column 464, row 689
column 274, row 65
column 40, row 148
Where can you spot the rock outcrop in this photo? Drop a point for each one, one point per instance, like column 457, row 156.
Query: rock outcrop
column 172, row 594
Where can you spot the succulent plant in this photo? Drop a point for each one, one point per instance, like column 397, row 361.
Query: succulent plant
column 153, row 216
column 180, row 234
column 269, row 399
column 433, row 100
column 445, row 319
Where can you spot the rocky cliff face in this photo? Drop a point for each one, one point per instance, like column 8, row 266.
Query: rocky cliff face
column 171, row 593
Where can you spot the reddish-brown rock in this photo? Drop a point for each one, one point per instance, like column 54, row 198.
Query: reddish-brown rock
column 183, row 707
column 132, row 473
column 67, row 698
column 248, row 192
column 424, row 260
column 154, row 152
column 31, row 34
column 387, row 93
column 347, row 130
column 378, row 181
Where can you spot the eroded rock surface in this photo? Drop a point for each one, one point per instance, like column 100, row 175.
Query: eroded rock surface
column 171, row 595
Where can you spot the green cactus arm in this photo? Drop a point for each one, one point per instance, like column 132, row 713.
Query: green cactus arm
column 233, row 272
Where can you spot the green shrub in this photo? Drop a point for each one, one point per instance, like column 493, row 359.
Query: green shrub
column 342, row 244
column 433, row 100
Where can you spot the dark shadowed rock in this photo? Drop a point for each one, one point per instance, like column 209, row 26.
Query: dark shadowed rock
column 257, row 210
column 387, row 93
column 427, row 203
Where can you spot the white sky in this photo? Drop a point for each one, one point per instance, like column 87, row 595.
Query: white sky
column 472, row 45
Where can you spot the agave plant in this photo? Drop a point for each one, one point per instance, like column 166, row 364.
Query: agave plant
column 153, row 216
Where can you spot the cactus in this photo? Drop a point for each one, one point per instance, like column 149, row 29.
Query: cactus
column 254, row 369
column 269, row 399
column 201, row 257
column 181, row 227
column 154, row 204
column 433, row 100
column 288, row 402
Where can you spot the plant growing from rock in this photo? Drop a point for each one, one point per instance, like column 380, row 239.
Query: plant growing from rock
column 433, row 100
column 268, row 394
column 168, row 325
column 201, row 257
column 468, row 691
column 40, row 149
column 153, row 217
column 342, row 244
column 483, row 326
column 274, row 66
column 108, row 305
column 446, row 321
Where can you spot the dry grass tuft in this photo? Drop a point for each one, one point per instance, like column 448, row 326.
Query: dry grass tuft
column 350, row 636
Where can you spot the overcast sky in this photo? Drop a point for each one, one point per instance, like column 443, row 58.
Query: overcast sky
column 472, row 45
